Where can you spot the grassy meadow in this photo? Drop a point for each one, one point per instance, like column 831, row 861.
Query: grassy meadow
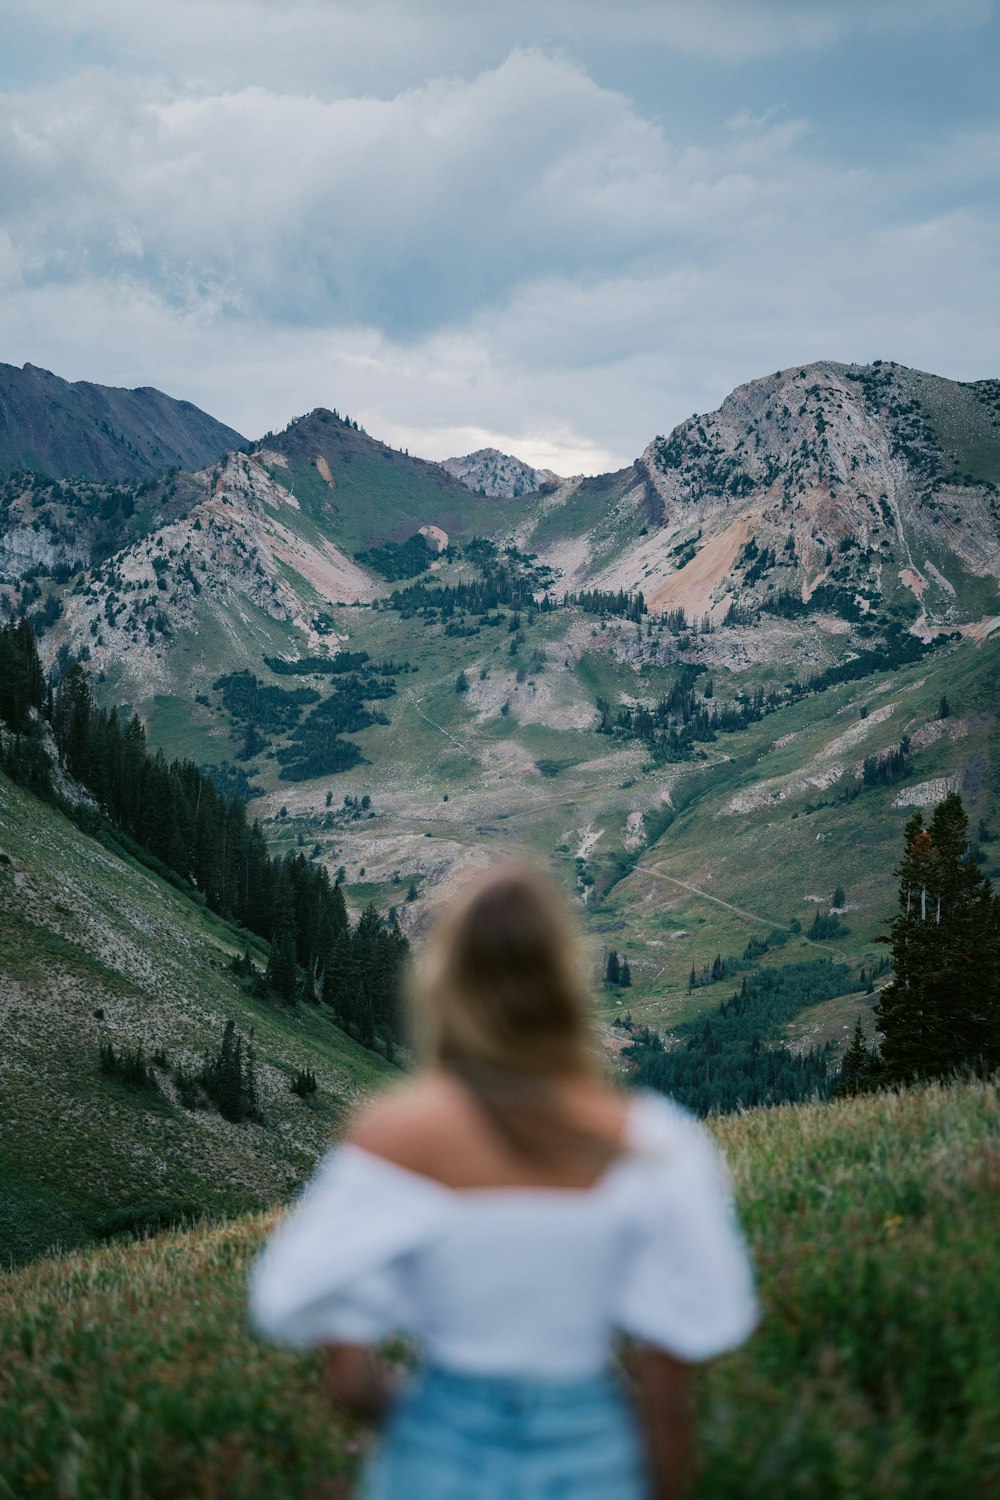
column 127, row 1373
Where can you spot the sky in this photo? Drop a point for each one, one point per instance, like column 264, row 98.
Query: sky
column 556, row 227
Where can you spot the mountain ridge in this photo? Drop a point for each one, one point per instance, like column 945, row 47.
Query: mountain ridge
column 65, row 429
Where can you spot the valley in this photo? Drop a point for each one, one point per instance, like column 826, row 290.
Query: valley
column 707, row 690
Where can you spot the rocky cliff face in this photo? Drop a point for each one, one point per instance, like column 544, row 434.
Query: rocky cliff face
column 854, row 486
column 490, row 472
column 65, row 429
column 237, row 557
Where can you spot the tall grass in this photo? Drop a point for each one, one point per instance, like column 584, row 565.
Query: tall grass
column 128, row 1373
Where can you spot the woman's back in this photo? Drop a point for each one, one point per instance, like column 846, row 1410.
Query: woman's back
column 512, row 1213
column 425, row 1222
column 433, row 1126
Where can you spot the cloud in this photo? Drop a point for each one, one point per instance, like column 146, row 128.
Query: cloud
column 325, row 45
column 518, row 258
column 404, row 213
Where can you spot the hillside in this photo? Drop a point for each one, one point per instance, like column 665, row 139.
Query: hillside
column 98, row 949
column 65, row 429
column 360, row 491
column 874, row 1374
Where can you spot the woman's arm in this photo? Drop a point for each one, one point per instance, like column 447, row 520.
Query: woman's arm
column 358, row 1380
column 664, row 1400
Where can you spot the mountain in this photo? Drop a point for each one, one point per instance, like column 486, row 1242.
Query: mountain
column 815, row 653
column 361, row 491
column 853, row 488
column 63, row 429
column 490, row 472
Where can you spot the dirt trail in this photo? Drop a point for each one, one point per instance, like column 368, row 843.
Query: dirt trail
column 749, row 915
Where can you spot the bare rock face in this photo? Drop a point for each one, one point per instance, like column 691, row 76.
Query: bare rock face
column 23, row 548
column 238, row 546
column 846, row 484
column 490, row 472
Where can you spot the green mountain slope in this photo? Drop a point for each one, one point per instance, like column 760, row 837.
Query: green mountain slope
column 96, row 948
column 360, row 491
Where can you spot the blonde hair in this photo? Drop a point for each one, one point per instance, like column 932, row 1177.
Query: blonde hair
column 500, row 1003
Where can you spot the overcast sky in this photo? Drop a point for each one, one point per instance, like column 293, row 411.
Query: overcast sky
column 553, row 226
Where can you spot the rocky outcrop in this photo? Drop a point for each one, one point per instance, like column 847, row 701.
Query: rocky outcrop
column 490, row 472
column 238, row 548
column 831, row 483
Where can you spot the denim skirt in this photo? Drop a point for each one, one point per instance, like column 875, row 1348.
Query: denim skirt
column 452, row 1436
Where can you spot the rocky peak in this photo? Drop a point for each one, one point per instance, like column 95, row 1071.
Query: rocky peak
column 490, row 472
column 843, row 482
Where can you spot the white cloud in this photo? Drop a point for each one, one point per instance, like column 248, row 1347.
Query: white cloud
column 405, row 213
column 517, row 259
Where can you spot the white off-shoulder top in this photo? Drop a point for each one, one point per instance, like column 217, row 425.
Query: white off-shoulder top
column 517, row 1281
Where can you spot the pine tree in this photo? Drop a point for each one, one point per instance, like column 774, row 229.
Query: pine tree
column 230, row 1077
column 282, row 970
column 612, row 973
column 859, row 1068
column 366, row 1020
column 941, row 1011
column 692, row 979
column 625, row 978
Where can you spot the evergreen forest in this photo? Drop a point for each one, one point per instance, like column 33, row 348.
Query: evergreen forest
column 171, row 815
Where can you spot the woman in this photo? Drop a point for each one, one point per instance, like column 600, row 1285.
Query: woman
column 517, row 1216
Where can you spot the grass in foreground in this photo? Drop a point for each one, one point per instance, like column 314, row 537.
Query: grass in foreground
column 128, row 1372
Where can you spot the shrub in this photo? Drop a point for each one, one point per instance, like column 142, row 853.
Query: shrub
column 304, row 1083
column 140, row 1220
column 128, row 1066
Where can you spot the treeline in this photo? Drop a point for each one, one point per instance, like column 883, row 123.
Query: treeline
column 203, row 841
column 721, row 968
column 729, row 1059
column 478, row 597
column 604, row 602
column 684, row 716
column 509, row 578
column 397, row 560
column 335, row 666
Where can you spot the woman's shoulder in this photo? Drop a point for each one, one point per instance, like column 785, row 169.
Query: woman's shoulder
column 411, row 1124
column 656, row 1121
